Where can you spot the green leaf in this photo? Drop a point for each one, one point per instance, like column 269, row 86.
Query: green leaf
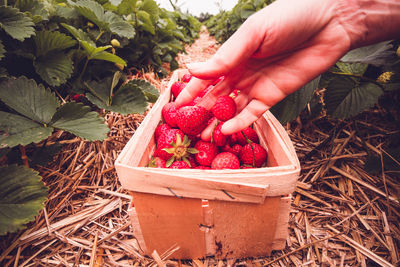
column 128, row 99
column 145, row 21
column 108, row 21
column 352, row 68
column 346, row 97
column 35, row 8
column 91, row 10
column 15, row 23
column 22, row 196
column 47, row 41
column 148, row 89
column 379, row 54
column 373, row 163
column 79, row 34
column 54, row 68
column 18, row 130
column 118, row 26
column 67, row 12
column 2, row 50
column 108, row 57
column 290, row 107
column 81, row 121
column 29, row 99
column 126, row 7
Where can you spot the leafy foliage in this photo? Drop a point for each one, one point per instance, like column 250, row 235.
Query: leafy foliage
column 52, row 50
column 22, row 196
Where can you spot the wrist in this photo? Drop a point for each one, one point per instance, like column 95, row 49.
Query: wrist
column 369, row 21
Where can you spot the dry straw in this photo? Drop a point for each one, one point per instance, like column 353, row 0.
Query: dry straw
column 341, row 215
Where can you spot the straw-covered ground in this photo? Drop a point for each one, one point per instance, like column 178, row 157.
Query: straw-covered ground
column 341, row 214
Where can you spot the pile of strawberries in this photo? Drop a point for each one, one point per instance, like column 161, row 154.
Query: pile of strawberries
column 178, row 137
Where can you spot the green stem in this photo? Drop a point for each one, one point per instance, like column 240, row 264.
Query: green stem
column 83, row 70
column 100, row 34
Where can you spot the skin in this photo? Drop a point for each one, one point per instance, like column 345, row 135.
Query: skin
column 284, row 46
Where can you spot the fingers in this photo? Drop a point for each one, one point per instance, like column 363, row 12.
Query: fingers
column 192, row 89
column 245, row 118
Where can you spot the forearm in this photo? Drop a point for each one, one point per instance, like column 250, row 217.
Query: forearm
column 369, row 21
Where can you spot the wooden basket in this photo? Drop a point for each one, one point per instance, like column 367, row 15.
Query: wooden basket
column 220, row 213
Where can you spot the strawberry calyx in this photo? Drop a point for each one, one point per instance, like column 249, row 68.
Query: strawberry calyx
column 180, row 150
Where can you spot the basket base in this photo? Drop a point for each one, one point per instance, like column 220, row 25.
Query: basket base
column 199, row 228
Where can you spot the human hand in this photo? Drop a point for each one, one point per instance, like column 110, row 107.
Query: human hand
column 275, row 52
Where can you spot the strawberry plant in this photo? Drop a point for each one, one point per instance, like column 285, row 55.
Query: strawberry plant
column 64, row 63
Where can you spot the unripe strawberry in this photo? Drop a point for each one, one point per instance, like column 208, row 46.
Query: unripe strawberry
column 206, row 152
column 115, row 43
column 246, row 155
column 225, row 160
column 170, row 113
column 224, row 108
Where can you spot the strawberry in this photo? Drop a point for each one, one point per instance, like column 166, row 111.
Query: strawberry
column 206, row 152
column 179, row 165
column 218, row 137
column 192, row 119
column 177, row 88
column 169, row 113
column 157, row 162
column 250, row 134
column 225, row 160
column 194, row 101
column 246, row 155
column 160, row 129
column 192, row 162
column 224, row 108
column 186, row 78
column 166, row 140
column 235, row 149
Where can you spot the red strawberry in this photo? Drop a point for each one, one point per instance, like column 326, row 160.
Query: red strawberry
column 192, row 119
column 192, row 162
column 218, row 137
column 224, row 108
column 169, row 113
column 160, row 129
column 235, row 149
column 186, row 78
column 157, row 162
column 166, row 140
column 77, row 97
column 194, row 101
column 206, row 152
column 225, row 160
column 177, row 87
column 179, row 165
column 246, row 155
column 250, row 134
